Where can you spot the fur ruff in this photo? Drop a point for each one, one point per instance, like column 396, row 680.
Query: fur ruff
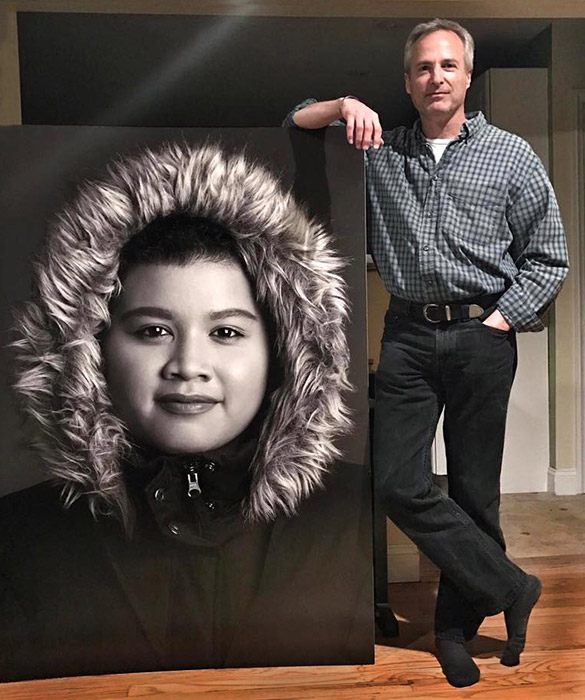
column 297, row 277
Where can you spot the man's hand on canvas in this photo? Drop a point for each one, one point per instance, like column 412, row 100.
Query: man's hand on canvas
column 363, row 124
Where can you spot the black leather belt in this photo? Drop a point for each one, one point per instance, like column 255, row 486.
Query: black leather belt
column 438, row 313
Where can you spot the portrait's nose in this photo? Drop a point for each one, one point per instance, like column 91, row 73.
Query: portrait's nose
column 190, row 358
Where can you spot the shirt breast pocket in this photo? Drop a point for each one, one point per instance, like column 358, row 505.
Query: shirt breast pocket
column 474, row 211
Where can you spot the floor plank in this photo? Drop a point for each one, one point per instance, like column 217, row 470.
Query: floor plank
column 553, row 665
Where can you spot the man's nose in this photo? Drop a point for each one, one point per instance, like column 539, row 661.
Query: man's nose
column 437, row 75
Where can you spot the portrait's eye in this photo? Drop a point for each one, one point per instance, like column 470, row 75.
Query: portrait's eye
column 153, row 332
column 226, row 333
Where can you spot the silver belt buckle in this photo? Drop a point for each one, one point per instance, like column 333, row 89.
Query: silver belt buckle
column 475, row 310
column 426, row 307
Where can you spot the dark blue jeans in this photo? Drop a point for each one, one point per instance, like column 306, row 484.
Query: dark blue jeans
column 466, row 369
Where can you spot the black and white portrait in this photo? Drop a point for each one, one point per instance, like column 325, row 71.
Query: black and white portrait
column 183, row 366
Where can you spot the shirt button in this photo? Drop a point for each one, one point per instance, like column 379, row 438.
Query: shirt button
column 429, row 283
column 210, row 466
column 159, row 495
column 426, row 248
column 174, row 529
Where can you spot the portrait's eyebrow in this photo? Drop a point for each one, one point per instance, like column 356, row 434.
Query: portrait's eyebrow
column 157, row 311
column 226, row 313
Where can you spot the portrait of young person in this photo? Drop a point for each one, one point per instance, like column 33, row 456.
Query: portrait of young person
column 183, row 367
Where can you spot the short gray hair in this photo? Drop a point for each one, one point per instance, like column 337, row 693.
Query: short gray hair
column 434, row 25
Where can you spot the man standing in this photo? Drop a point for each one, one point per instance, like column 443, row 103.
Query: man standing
column 466, row 234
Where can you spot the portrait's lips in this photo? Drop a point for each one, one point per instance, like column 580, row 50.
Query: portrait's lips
column 186, row 404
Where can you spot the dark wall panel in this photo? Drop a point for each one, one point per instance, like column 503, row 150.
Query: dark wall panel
column 164, row 70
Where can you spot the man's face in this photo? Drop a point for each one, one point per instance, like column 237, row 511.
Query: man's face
column 438, row 79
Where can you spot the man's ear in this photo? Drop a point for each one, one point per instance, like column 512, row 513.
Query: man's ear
column 469, row 78
column 407, row 83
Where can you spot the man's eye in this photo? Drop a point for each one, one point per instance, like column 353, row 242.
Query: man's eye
column 226, row 333
column 153, row 332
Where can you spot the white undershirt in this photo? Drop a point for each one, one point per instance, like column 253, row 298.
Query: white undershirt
column 438, row 146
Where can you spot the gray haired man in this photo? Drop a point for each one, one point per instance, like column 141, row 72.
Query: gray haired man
column 466, row 234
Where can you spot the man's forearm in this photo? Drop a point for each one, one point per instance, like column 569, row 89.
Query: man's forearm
column 318, row 114
column 539, row 250
column 362, row 124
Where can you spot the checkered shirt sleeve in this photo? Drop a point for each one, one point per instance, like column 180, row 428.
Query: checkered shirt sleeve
column 539, row 251
column 289, row 121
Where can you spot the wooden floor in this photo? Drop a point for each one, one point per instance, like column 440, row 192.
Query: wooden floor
column 553, row 665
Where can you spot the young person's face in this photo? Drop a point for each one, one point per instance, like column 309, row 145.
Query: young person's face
column 187, row 355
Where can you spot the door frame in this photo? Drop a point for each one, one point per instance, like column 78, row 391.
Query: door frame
column 580, row 285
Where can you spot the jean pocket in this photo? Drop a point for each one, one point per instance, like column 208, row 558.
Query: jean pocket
column 492, row 330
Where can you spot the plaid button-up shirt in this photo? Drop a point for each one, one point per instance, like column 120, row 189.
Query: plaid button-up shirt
column 483, row 220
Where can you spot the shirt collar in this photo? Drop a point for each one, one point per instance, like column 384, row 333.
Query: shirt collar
column 473, row 124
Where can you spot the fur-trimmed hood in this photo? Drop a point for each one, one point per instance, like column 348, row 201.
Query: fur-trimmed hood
column 296, row 277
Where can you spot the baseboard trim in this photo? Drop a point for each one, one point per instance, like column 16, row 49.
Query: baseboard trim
column 563, row 482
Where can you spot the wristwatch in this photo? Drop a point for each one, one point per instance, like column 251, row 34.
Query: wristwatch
column 341, row 100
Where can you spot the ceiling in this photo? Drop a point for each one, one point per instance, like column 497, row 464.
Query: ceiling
column 154, row 70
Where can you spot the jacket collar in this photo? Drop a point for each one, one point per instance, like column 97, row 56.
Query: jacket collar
column 195, row 499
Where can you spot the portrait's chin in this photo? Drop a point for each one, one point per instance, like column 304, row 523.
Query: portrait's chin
column 190, row 443
column 186, row 436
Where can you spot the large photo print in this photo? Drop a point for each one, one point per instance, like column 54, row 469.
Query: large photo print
column 184, row 415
